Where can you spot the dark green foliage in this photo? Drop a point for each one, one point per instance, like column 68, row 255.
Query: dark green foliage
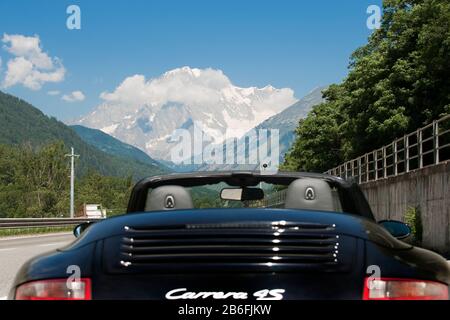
column 112, row 146
column 111, row 192
column 30, row 181
column 36, row 184
column 413, row 218
column 21, row 123
column 34, row 172
column 397, row 83
column 320, row 131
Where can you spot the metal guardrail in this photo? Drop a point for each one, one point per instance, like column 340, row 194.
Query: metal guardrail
column 11, row 223
column 424, row 147
column 273, row 200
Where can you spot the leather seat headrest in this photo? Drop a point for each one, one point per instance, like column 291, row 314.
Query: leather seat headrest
column 310, row 194
column 168, row 198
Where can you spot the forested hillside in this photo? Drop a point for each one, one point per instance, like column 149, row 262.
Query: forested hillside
column 397, row 82
column 21, row 123
column 112, row 146
column 35, row 183
column 34, row 172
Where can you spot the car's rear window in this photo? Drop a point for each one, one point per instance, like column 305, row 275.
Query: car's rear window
column 209, row 197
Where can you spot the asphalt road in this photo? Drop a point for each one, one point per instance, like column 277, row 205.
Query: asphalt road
column 15, row 251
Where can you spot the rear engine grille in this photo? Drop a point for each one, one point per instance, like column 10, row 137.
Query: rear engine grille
column 231, row 246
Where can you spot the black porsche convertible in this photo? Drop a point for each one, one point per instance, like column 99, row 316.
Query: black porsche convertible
column 239, row 236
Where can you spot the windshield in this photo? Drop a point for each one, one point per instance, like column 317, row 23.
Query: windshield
column 212, row 196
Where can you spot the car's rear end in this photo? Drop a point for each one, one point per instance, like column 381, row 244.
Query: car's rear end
column 300, row 259
column 323, row 244
column 263, row 254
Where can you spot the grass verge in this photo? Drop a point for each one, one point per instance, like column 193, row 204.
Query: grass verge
column 8, row 232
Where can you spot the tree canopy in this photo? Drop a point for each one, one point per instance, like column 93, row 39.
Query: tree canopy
column 34, row 183
column 398, row 82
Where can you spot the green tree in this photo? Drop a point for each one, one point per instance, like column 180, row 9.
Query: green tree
column 34, row 182
column 31, row 181
column 397, row 82
column 319, row 133
column 111, row 192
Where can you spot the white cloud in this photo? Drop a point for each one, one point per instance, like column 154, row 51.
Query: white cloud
column 74, row 96
column 146, row 112
column 53, row 93
column 195, row 87
column 183, row 85
column 205, row 95
column 30, row 66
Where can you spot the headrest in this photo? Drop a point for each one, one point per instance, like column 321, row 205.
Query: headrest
column 168, row 198
column 310, row 194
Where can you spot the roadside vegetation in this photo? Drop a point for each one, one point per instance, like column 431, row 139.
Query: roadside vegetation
column 414, row 219
column 36, row 230
column 398, row 82
column 34, row 183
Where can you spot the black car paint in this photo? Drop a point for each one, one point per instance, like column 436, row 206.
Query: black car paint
column 369, row 244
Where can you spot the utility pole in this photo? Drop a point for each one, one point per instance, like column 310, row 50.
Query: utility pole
column 72, row 156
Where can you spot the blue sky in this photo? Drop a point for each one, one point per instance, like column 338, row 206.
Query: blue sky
column 295, row 44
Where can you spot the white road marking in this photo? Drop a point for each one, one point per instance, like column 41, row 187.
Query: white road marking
column 50, row 244
column 7, row 249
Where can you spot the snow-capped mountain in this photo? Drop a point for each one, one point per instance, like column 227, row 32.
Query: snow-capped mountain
column 145, row 113
column 286, row 122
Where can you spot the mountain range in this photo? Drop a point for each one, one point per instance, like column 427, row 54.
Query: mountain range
column 125, row 147
column 286, row 122
column 114, row 147
column 21, row 123
column 145, row 113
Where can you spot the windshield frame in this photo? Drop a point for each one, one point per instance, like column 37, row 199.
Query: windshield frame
column 352, row 199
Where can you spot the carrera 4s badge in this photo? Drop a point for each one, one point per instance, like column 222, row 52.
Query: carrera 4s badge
column 184, row 294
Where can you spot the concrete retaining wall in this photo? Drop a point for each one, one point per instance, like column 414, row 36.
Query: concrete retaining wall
column 427, row 189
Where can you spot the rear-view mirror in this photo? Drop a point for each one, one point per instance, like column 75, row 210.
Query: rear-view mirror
column 242, row 194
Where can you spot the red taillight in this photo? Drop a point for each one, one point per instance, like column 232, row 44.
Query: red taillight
column 55, row 289
column 403, row 289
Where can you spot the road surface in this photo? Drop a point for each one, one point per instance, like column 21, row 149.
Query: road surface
column 15, row 251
